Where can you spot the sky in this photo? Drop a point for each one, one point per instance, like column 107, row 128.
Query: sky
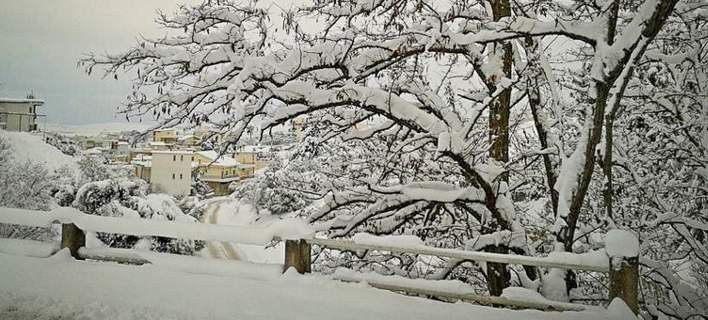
column 41, row 42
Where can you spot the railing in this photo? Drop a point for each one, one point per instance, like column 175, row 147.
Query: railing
column 623, row 271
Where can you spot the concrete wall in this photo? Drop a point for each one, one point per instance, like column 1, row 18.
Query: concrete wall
column 171, row 172
column 14, row 122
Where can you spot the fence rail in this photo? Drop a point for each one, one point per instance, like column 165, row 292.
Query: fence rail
column 623, row 271
column 560, row 261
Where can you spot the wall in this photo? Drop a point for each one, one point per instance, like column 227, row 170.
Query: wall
column 171, row 172
column 15, row 122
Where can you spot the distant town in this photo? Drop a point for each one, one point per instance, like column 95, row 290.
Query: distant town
column 171, row 160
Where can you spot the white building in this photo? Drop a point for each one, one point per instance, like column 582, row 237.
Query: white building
column 19, row 114
column 171, row 172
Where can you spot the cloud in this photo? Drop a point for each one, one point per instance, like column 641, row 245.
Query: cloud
column 41, row 41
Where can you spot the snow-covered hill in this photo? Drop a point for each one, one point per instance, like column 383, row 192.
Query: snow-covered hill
column 31, row 146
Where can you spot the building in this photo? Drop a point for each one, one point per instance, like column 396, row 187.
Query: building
column 167, row 136
column 143, row 164
column 19, row 114
column 248, row 161
column 253, row 158
column 167, row 171
column 297, row 128
column 217, row 171
column 189, row 140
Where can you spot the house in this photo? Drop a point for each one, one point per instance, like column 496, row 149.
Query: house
column 252, row 158
column 217, row 171
column 159, row 145
column 189, row 140
column 119, row 151
column 167, row 136
column 297, row 128
column 247, row 160
column 143, row 164
column 19, row 114
column 166, row 171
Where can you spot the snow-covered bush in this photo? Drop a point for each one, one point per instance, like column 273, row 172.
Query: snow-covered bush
column 25, row 185
column 65, row 144
column 129, row 199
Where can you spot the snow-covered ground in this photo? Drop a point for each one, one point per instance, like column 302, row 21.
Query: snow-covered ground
column 62, row 288
column 31, row 146
column 230, row 211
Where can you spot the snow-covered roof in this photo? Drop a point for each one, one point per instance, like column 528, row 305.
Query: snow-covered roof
column 13, row 100
column 210, row 179
column 189, row 136
column 173, row 152
column 222, row 161
column 252, row 148
column 147, row 163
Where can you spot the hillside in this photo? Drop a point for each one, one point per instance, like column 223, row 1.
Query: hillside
column 31, row 147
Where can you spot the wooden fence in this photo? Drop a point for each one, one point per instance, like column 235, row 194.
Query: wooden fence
column 623, row 271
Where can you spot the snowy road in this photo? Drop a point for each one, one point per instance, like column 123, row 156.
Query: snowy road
column 230, row 211
column 218, row 249
column 62, row 288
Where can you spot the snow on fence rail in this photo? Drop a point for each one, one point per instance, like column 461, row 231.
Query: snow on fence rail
column 256, row 235
column 621, row 263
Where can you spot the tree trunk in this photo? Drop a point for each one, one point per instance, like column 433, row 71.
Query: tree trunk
column 497, row 274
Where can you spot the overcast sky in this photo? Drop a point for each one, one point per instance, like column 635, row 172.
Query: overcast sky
column 41, row 41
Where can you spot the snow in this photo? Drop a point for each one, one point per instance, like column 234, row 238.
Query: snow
column 449, row 286
column 66, row 289
column 30, row 248
column 222, row 161
column 594, row 260
column 404, row 241
column 232, row 212
column 192, row 264
column 619, row 310
column 259, row 234
column 31, row 147
column 512, row 239
column 621, row 243
column 16, row 100
column 553, row 285
column 523, row 294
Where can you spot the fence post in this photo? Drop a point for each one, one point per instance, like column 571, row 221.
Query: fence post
column 297, row 255
column 623, row 250
column 73, row 238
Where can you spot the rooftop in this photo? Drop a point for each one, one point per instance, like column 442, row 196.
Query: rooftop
column 172, row 152
column 222, row 161
column 13, row 100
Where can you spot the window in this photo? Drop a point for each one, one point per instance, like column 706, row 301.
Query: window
column 180, row 176
column 181, row 158
column 173, row 176
column 174, row 158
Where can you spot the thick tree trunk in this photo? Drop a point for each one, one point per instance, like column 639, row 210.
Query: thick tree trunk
column 497, row 274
